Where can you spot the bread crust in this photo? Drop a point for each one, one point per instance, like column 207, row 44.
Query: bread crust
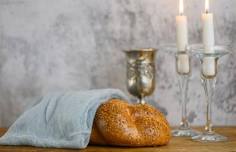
column 119, row 123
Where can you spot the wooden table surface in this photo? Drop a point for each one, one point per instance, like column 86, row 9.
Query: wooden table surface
column 177, row 144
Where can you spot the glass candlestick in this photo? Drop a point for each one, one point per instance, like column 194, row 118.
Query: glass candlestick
column 183, row 69
column 209, row 67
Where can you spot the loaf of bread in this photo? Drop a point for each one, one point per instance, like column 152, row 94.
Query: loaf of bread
column 119, row 123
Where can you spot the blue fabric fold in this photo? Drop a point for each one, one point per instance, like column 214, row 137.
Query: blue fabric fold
column 61, row 120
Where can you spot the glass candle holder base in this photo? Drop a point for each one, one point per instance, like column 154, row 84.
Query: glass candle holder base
column 185, row 132
column 209, row 137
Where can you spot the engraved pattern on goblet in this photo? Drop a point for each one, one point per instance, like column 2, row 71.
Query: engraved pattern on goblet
column 137, row 69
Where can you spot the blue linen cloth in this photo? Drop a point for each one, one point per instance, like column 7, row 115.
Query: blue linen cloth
column 61, row 120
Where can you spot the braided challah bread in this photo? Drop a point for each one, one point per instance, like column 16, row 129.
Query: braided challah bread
column 122, row 124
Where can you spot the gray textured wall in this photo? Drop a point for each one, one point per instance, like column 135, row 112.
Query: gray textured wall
column 48, row 45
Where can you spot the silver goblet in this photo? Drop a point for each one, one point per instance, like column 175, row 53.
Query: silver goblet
column 141, row 72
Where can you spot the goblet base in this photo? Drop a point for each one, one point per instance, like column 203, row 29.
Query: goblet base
column 186, row 132
column 209, row 137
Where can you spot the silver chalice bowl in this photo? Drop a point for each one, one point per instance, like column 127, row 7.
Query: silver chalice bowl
column 140, row 72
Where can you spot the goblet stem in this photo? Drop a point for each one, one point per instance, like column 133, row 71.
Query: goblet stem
column 209, row 88
column 141, row 100
column 183, row 86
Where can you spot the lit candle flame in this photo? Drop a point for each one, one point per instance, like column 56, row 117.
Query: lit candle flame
column 181, row 7
column 206, row 6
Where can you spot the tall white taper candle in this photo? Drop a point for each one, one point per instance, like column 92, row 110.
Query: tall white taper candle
column 208, row 29
column 208, row 68
column 181, row 28
column 183, row 66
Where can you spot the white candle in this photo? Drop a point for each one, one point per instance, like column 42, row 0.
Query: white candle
column 181, row 28
column 208, row 29
column 208, row 68
column 182, row 63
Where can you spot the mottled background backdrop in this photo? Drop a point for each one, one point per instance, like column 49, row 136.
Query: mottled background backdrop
column 48, row 45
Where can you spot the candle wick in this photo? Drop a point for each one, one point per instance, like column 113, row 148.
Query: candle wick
column 207, row 11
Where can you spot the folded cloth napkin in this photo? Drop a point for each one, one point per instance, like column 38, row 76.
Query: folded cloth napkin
column 61, row 120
